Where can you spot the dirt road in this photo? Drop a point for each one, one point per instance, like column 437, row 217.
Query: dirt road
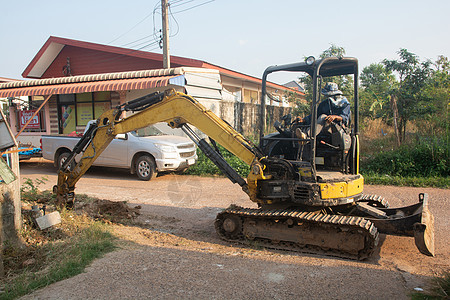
column 175, row 253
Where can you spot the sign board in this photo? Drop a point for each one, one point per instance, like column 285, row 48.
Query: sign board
column 25, row 115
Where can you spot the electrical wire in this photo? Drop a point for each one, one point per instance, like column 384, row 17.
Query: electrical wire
column 145, row 37
column 192, row 7
column 176, row 22
column 177, row 1
column 145, row 18
column 154, row 24
column 174, row 2
column 146, row 42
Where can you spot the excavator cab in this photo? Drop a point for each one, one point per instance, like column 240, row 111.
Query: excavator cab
column 335, row 147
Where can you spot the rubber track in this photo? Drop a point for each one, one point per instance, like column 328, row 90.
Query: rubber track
column 359, row 224
column 374, row 199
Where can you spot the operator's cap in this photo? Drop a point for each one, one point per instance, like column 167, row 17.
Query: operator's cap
column 331, row 89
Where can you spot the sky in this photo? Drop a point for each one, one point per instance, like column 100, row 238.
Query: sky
column 246, row 36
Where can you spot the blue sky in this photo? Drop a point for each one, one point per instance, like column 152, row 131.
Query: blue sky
column 246, row 36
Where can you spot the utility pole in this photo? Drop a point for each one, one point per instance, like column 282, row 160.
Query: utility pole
column 165, row 32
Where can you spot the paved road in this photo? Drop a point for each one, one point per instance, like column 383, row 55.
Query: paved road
column 176, row 253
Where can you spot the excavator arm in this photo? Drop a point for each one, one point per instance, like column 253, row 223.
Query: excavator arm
column 177, row 110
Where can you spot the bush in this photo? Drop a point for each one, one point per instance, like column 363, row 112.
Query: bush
column 205, row 166
column 427, row 157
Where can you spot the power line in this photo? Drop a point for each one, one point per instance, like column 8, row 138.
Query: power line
column 131, row 28
column 147, row 43
column 154, row 25
column 192, row 7
column 176, row 22
column 174, row 2
column 145, row 37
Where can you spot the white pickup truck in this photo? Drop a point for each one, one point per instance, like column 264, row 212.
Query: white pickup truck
column 144, row 152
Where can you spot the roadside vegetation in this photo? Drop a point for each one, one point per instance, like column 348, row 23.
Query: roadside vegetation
column 423, row 161
column 42, row 257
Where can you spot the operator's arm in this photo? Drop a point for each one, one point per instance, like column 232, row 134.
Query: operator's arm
column 341, row 115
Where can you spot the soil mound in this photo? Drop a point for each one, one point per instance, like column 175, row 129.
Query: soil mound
column 117, row 212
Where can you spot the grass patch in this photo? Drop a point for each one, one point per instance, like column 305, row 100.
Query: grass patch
column 436, row 182
column 439, row 289
column 56, row 253
column 42, row 262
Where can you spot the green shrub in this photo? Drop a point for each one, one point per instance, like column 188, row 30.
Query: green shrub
column 427, row 157
column 205, row 166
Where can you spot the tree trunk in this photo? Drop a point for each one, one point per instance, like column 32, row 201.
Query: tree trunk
column 395, row 117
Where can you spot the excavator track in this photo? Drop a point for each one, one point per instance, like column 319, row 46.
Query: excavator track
column 295, row 230
column 374, row 200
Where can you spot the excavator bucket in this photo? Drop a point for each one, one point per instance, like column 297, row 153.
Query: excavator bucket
column 424, row 231
column 415, row 220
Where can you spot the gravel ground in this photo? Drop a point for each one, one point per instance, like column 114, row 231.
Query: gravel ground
column 174, row 251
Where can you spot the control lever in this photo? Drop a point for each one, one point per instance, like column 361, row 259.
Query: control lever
column 329, row 145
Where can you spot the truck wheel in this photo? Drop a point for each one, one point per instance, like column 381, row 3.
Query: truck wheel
column 146, row 168
column 62, row 158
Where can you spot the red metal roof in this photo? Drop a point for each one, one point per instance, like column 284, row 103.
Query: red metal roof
column 43, row 58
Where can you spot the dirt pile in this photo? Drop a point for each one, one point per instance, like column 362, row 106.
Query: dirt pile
column 116, row 212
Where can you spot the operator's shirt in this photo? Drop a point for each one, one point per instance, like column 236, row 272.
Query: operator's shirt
column 327, row 107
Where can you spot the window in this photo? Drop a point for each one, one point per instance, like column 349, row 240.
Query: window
column 76, row 110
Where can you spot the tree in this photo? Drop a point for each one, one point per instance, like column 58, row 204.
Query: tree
column 437, row 92
column 376, row 83
column 408, row 93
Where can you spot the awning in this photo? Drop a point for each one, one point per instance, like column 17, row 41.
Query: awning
column 95, row 86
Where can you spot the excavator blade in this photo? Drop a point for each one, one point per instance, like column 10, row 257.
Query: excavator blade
column 424, row 231
column 415, row 220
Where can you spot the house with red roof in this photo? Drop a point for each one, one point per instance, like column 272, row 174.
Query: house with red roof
column 71, row 82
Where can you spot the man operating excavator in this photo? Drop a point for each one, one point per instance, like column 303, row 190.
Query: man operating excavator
column 335, row 108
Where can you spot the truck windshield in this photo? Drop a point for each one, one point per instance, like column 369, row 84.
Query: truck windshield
column 147, row 131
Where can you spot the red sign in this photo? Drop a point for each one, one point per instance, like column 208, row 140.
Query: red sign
column 25, row 115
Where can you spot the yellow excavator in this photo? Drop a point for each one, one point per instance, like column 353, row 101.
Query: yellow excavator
column 308, row 189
